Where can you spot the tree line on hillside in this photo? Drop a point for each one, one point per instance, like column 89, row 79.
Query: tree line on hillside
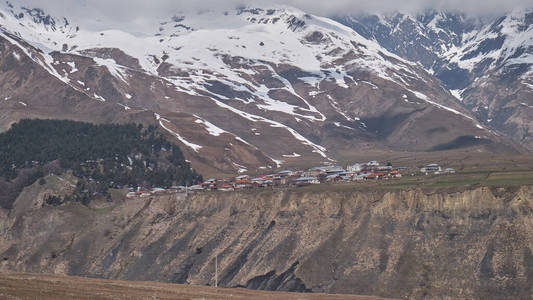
column 104, row 156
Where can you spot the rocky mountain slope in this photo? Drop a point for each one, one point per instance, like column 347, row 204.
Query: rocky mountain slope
column 226, row 84
column 468, row 242
column 485, row 61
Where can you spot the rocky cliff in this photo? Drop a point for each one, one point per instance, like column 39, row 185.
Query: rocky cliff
column 455, row 243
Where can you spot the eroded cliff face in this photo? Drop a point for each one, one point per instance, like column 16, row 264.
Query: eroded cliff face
column 418, row 244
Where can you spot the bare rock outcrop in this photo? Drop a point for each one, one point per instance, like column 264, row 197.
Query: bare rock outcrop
column 416, row 244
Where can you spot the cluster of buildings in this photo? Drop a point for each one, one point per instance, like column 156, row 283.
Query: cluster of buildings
column 372, row 170
column 316, row 175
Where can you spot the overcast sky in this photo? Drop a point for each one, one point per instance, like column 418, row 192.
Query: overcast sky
column 89, row 10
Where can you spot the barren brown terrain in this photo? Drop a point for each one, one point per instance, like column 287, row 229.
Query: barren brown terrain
column 52, row 287
column 465, row 236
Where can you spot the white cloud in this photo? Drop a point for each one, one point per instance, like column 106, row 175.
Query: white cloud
column 136, row 11
column 358, row 6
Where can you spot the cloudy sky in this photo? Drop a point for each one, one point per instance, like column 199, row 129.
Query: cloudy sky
column 92, row 10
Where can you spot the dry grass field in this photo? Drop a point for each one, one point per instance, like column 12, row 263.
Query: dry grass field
column 17, row 286
column 466, row 159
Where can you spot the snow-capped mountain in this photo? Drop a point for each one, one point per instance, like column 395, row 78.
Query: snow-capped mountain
column 228, row 83
column 485, row 62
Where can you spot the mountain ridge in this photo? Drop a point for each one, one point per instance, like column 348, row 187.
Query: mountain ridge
column 485, row 63
column 250, row 74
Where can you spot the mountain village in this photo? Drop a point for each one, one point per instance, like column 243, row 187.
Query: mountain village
column 331, row 174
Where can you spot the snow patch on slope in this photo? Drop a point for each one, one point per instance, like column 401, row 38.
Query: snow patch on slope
column 457, row 94
column 254, row 118
column 161, row 120
column 112, row 67
column 73, row 68
column 211, row 129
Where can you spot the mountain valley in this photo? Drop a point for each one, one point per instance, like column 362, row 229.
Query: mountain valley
column 106, row 124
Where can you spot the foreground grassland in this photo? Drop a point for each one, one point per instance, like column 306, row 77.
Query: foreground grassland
column 50, row 287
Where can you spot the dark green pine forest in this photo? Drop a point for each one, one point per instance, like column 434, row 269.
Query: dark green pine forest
column 103, row 156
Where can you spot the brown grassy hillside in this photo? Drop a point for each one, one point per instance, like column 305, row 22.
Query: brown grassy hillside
column 49, row 287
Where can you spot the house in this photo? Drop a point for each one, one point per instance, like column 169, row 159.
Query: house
column 242, row 183
column 343, row 176
column 280, row 180
column 142, row 193
column 346, row 178
column 433, row 166
column 360, row 177
column 158, row 191
column 242, row 177
column 333, row 170
column 377, row 175
column 449, row 171
column 264, row 181
column 226, row 188
column 372, row 163
column 333, row 178
column 302, row 181
column 369, row 168
column 268, row 183
column 257, row 181
column 297, row 174
column 180, row 189
column 346, row 173
column 285, row 173
column 196, row 188
column 371, row 176
column 315, row 171
column 395, row 174
column 355, row 168
column 325, row 169
column 430, row 168
column 268, row 177
column 210, row 184
column 383, row 168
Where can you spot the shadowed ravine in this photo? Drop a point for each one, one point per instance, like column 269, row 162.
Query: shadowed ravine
column 447, row 243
